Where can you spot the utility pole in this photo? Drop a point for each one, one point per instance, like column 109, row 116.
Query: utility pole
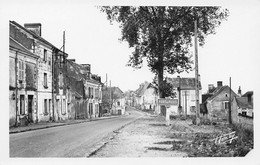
column 179, row 91
column 110, row 94
column 63, row 42
column 197, row 76
column 230, row 119
column 106, row 80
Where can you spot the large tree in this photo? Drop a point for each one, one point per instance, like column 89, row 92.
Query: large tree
column 163, row 34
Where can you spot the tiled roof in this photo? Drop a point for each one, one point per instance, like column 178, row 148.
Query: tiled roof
column 142, row 88
column 248, row 93
column 185, row 83
column 33, row 34
column 73, row 71
column 13, row 43
column 77, row 71
column 218, row 90
column 118, row 91
column 242, row 102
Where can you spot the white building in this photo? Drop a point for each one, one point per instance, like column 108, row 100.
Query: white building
column 146, row 97
column 185, row 93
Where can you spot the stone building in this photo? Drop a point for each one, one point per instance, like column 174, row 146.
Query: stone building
column 185, row 93
column 59, row 72
column 84, row 91
column 146, row 96
column 217, row 102
column 51, row 95
column 242, row 110
column 118, row 101
column 22, row 84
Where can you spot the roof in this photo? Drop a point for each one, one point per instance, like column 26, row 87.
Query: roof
column 117, row 91
column 13, row 43
column 34, row 35
column 242, row 102
column 185, row 83
column 77, row 71
column 143, row 87
column 218, row 90
column 73, row 71
column 248, row 93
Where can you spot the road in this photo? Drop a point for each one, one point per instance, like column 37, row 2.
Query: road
column 75, row 140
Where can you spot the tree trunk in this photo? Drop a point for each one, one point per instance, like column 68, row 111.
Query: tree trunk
column 162, row 108
column 160, row 82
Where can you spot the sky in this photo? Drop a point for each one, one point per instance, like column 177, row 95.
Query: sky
column 91, row 39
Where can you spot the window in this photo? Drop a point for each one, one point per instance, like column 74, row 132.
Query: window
column 90, row 90
column 21, row 70
column 244, row 113
column 44, row 55
column 22, row 105
column 49, row 61
column 49, row 104
column 90, row 108
column 45, row 106
column 61, row 80
column 226, row 105
column 96, row 93
column 96, row 108
column 63, row 108
column 45, row 83
column 118, row 103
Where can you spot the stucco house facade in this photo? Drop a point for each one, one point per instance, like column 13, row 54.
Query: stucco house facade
column 218, row 103
column 184, row 89
column 118, row 101
column 22, row 84
column 242, row 110
column 146, row 96
column 51, row 96
column 84, row 91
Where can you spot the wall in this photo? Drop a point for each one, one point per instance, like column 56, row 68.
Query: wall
column 216, row 110
column 96, row 100
column 44, row 92
column 246, row 122
column 26, row 88
column 21, row 36
column 190, row 101
column 149, row 99
column 12, row 108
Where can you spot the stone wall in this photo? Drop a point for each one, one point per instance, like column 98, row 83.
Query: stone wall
column 246, row 122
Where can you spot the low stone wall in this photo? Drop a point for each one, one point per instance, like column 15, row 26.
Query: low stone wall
column 245, row 122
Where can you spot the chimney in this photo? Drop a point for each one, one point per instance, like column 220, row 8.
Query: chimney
column 219, row 83
column 72, row 60
column 34, row 27
column 87, row 67
column 239, row 91
column 210, row 88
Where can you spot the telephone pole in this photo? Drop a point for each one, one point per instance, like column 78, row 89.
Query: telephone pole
column 197, row 76
column 110, row 105
column 229, row 116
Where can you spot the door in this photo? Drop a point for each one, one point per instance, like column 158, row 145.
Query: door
column 30, row 108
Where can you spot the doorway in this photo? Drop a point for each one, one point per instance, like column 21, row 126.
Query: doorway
column 30, row 108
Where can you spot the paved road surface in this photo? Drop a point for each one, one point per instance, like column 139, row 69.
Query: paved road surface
column 75, row 140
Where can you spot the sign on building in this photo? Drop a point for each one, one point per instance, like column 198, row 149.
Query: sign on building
column 168, row 102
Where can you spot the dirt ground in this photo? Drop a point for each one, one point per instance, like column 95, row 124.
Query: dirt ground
column 150, row 137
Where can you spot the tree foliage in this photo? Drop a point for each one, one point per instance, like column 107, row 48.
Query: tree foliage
column 163, row 34
column 109, row 96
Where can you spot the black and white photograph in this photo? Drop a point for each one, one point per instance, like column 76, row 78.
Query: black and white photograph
column 149, row 80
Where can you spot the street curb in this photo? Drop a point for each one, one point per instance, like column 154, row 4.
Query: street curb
column 62, row 124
